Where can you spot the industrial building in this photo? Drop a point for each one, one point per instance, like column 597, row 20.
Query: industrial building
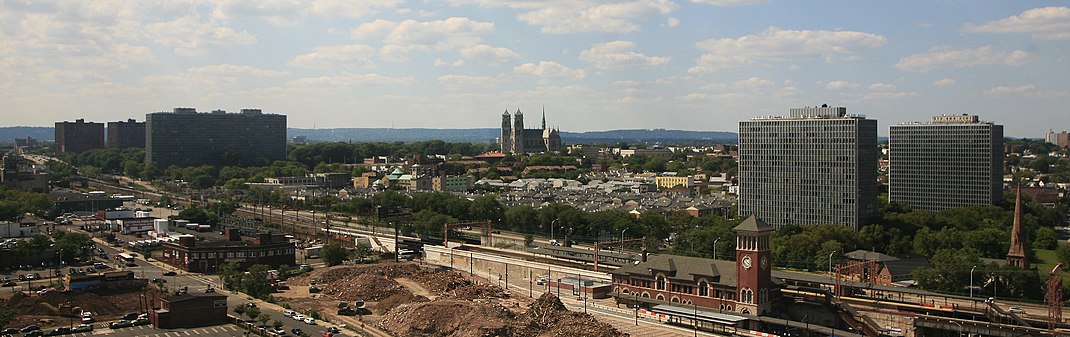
column 130, row 133
column 185, row 137
column 208, row 256
column 817, row 166
column 951, row 161
column 78, row 136
column 189, row 310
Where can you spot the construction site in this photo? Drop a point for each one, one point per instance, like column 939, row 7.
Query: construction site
column 409, row 299
column 63, row 308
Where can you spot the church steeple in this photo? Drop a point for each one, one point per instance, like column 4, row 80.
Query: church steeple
column 544, row 117
column 1017, row 254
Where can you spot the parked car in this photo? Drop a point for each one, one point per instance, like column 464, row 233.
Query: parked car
column 1016, row 310
column 29, row 328
column 296, row 331
column 130, row 316
column 309, row 321
column 82, row 328
column 58, row 331
column 288, row 313
column 170, row 273
column 141, row 321
column 122, row 323
column 9, row 331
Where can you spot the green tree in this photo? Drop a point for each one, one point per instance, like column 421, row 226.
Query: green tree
column 1045, row 238
column 240, row 310
column 1063, row 254
column 252, row 312
column 277, row 324
column 361, row 252
column 333, row 254
column 256, row 282
column 264, row 318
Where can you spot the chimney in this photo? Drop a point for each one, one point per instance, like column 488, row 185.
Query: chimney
column 233, row 234
column 263, row 238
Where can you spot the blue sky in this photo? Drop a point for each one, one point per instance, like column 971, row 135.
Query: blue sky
column 594, row 65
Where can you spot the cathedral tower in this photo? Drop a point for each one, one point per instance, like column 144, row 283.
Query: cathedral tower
column 507, row 132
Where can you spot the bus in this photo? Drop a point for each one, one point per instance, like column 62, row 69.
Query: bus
column 126, row 259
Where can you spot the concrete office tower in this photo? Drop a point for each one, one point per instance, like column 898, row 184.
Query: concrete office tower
column 185, row 137
column 818, row 166
column 126, row 134
column 952, row 161
column 79, row 136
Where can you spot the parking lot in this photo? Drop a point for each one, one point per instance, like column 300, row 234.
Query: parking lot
column 149, row 331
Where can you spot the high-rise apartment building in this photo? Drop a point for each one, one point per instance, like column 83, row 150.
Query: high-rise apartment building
column 817, row 166
column 1062, row 139
column 185, row 137
column 952, row 161
column 126, row 134
column 79, row 136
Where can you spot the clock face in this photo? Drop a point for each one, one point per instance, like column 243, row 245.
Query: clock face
column 764, row 262
column 746, row 262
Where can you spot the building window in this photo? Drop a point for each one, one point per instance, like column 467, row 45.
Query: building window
column 661, row 282
column 703, row 288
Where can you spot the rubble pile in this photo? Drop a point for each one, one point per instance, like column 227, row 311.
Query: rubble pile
column 31, row 309
column 454, row 285
column 460, row 306
column 449, row 317
column 549, row 317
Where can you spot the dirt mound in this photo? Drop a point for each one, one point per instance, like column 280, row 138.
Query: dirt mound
column 395, row 301
column 367, row 287
column 549, row 317
column 445, row 317
column 36, row 309
column 454, row 285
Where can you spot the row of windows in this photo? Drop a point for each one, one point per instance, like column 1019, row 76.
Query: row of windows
column 241, row 254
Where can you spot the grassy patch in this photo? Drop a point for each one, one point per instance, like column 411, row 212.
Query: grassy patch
column 1045, row 261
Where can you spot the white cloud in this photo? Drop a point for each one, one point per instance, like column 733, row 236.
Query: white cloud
column 549, row 69
column 191, row 36
column 490, row 54
column 753, row 82
column 619, row 55
column 881, row 87
column 352, row 55
column 947, row 56
column 293, row 12
column 439, row 62
column 944, row 82
column 889, row 95
column 842, row 85
column 1047, row 23
column 1002, row 90
column 775, row 44
column 572, row 16
column 465, row 81
column 235, row 70
column 400, row 38
column 728, row 3
column 350, row 80
column 672, row 22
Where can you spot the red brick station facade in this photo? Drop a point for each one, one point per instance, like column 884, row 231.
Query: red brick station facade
column 742, row 286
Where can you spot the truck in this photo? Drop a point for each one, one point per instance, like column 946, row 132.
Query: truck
column 313, row 252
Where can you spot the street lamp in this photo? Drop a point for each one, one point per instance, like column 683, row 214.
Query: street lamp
column 715, row 247
column 622, row 239
column 830, row 261
column 552, row 228
column 971, row 280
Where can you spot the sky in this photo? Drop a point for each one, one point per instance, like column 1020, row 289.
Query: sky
column 592, row 65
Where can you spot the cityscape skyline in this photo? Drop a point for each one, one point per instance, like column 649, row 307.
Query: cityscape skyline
column 686, row 65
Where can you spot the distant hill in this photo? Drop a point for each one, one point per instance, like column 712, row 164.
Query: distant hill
column 488, row 135
column 41, row 133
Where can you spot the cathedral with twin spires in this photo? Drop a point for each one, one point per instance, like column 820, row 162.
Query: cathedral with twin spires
column 516, row 139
